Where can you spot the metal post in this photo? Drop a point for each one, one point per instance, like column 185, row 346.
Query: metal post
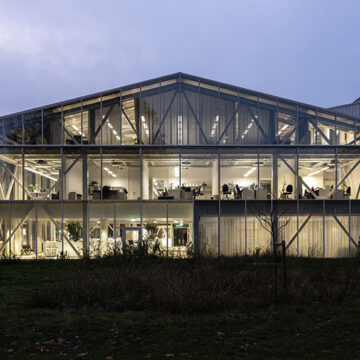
column 349, row 228
column 10, row 232
column 167, row 228
column 36, row 230
column 323, row 228
column 245, row 249
column 219, row 208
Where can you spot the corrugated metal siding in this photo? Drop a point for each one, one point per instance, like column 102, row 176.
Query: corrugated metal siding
column 350, row 110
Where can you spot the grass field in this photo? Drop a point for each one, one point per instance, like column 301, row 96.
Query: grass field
column 154, row 308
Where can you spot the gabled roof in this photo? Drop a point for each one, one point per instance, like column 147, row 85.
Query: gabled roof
column 179, row 76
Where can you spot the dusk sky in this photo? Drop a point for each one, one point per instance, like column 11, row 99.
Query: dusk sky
column 304, row 50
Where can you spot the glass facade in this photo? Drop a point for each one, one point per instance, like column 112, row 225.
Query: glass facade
column 182, row 164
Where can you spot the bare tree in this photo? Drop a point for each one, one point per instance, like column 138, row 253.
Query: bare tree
column 274, row 219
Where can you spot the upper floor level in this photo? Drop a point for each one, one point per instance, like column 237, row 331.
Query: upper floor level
column 179, row 109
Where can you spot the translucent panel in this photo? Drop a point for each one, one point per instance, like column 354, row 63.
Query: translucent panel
column 287, row 115
column 326, row 128
column 127, row 229
column 199, row 176
column 307, row 130
column 130, row 134
column 337, row 229
column 94, row 178
column 12, row 130
column 285, row 184
column 155, row 231
column 11, row 175
column 180, row 228
column 355, row 228
column 42, row 174
column 161, row 176
column 232, row 228
column 208, row 235
column 348, row 173
column 22, row 234
column 317, row 173
column 265, row 186
column 74, row 127
column 258, row 236
column 33, row 127
column 73, row 188
column 111, row 123
column 238, row 174
column 311, row 229
column 223, row 120
column 5, row 243
column 74, row 240
column 51, row 238
column 101, row 228
column 160, row 122
column 53, row 126
column 247, row 124
column 345, row 129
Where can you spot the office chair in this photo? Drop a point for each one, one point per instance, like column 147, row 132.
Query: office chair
column 238, row 192
column 289, row 190
column 226, row 191
column 348, row 191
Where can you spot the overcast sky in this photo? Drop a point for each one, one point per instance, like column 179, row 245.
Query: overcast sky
column 305, row 50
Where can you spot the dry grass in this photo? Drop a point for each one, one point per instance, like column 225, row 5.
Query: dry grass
column 197, row 285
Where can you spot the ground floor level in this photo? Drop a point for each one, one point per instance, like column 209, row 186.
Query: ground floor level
column 73, row 229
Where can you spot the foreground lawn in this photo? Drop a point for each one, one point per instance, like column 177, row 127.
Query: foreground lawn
column 155, row 308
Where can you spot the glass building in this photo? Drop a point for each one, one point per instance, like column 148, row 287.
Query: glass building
column 184, row 163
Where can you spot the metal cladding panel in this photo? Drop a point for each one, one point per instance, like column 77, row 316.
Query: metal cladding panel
column 350, row 110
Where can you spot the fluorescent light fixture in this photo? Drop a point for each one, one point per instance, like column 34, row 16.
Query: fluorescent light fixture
column 39, row 173
column 132, row 219
column 318, row 171
column 250, row 171
column 75, row 127
column 147, row 131
column 109, row 125
column 118, row 137
column 143, row 118
column 217, row 118
column 114, row 132
column 105, row 168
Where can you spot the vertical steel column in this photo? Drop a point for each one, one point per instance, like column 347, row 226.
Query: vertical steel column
column 323, row 228
column 82, row 122
column 180, row 197
column 62, row 228
column 349, row 228
column 120, row 129
column 141, row 193
column 139, row 121
column 245, row 249
column 36, row 229
column 219, row 208
column 336, row 171
column 101, row 173
column 10, row 232
column 297, row 125
column 258, row 174
column 62, row 125
column 277, row 122
column 22, row 130
column 23, row 173
column 336, row 142
column 114, row 229
column 297, row 227
column 101, row 123
column 42, row 126
column 167, row 228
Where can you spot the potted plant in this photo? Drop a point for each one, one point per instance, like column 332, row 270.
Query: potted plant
column 74, row 229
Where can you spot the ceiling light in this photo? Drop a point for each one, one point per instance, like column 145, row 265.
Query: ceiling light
column 75, row 127
column 118, row 137
column 143, row 118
